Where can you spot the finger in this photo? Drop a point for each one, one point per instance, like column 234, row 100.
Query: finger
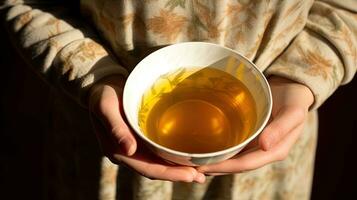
column 255, row 159
column 148, row 168
column 110, row 113
column 216, row 174
column 287, row 119
column 145, row 163
column 153, row 168
column 103, row 139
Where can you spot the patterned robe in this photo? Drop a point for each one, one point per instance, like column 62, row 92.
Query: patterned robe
column 311, row 42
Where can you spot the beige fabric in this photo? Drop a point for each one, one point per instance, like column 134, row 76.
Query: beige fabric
column 312, row 42
column 67, row 56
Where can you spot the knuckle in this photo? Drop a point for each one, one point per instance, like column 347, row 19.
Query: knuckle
column 119, row 138
column 116, row 130
column 119, row 130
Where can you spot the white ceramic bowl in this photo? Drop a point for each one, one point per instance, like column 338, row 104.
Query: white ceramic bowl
column 195, row 54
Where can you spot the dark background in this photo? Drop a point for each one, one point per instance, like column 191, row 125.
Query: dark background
column 22, row 149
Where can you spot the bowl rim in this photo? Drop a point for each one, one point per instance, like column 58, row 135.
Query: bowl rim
column 138, row 132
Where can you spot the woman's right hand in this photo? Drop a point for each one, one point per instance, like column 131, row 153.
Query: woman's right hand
column 118, row 142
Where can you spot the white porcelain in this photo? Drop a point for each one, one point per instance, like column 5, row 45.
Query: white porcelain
column 195, row 54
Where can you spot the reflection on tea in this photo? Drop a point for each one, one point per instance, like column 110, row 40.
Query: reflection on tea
column 197, row 111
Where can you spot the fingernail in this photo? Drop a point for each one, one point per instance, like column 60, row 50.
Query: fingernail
column 200, row 178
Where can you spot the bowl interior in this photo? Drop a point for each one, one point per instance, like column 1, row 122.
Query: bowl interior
column 195, row 55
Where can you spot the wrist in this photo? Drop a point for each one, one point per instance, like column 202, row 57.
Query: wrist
column 300, row 92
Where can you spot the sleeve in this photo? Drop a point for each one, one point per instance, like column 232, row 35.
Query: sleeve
column 58, row 45
column 324, row 54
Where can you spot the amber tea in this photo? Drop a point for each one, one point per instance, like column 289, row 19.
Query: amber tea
column 197, row 111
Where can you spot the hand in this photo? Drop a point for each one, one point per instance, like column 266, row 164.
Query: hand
column 291, row 102
column 118, row 142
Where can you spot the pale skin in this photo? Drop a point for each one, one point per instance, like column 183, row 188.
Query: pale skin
column 291, row 104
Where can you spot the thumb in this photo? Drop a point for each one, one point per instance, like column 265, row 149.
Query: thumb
column 286, row 120
column 123, row 138
column 111, row 115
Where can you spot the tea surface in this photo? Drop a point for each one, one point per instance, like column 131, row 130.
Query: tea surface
column 198, row 111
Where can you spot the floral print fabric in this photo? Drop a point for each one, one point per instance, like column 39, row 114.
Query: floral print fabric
column 311, row 42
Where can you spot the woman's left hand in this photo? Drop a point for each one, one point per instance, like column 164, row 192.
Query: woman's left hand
column 291, row 102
